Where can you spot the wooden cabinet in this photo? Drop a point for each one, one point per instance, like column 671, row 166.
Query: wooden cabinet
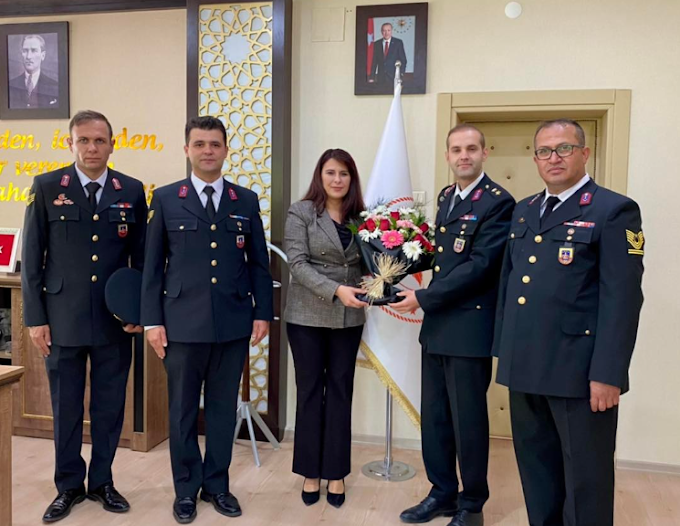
column 146, row 407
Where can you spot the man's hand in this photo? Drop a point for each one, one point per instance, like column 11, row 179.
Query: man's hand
column 260, row 330
column 41, row 338
column 158, row 340
column 131, row 329
column 348, row 296
column 603, row 396
column 408, row 304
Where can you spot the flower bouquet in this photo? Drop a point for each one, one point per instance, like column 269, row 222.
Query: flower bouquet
column 393, row 244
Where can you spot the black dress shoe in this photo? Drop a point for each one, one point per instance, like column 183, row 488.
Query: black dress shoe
column 427, row 510
column 224, row 503
column 310, row 497
column 336, row 499
column 184, row 509
column 110, row 498
column 61, row 506
column 467, row 518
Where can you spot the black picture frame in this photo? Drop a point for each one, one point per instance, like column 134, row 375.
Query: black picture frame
column 49, row 99
column 409, row 27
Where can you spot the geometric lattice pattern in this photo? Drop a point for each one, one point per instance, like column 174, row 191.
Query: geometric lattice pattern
column 235, row 85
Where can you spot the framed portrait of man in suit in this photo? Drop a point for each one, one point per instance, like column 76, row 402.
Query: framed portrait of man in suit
column 390, row 38
column 34, row 71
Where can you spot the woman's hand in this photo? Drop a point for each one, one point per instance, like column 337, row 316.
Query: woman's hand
column 347, row 295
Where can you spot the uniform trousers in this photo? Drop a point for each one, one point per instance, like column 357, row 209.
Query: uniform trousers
column 455, row 426
column 325, row 360
column 216, row 367
column 565, row 454
column 66, row 371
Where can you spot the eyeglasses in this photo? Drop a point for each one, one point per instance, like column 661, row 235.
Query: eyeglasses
column 563, row 150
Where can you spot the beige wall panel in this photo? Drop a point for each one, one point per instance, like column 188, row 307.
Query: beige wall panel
column 475, row 48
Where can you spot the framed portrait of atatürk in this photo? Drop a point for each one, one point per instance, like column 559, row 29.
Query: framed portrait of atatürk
column 34, row 71
column 390, row 38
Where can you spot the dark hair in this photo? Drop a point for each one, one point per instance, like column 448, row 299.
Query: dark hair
column 86, row 116
column 580, row 134
column 465, row 126
column 386, row 24
column 204, row 123
column 353, row 202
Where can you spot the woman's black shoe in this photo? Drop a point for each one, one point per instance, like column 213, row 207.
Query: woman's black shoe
column 310, row 497
column 336, row 499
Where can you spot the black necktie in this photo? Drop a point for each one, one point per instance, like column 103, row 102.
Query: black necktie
column 456, row 202
column 549, row 206
column 92, row 194
column 210, row 206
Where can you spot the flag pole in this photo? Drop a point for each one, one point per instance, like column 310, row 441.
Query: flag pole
column 388, row 469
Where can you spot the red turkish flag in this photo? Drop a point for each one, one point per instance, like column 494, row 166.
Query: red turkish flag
column 6, row 243
column 369, row 49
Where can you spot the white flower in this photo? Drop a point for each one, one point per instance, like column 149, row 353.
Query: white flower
column 365, row 214
column 375, row 234
column 412, row 250
column 406, row 211
column 365, row 235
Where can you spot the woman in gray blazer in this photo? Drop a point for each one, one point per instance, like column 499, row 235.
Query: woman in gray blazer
column 324, row 322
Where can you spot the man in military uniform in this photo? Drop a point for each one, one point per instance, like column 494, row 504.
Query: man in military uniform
column 82, row 223
column 472, row 224
column 568, row 314
column 206, row 291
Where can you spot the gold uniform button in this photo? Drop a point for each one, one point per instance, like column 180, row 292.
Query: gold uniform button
column 165, row 292
column 587, row 332
column 94, row 279
column 512, row 236
column 437, row 269
column 521, row 300
column 345, row 265
column 532, row 259
column 238, row 223
column 526, row 279
column 214, row 280
column 213, row 227
column 463, row 226
column 122, row 214
column 571, row 231
column 214, row 262
column 213, row 245
column 479, row 307
column 442, row 229
column 63, row 218
column 462, row 232
column 440, row 249
column 95, row 238
column 123, row 219
column 181, row 227
column 44, row 289
column 569, row 238
column 538, row 239
column 95, row 257
column 95, row 217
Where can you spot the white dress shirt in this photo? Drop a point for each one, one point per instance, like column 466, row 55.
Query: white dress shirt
column 464, row 193
column 84, row 179
column 200, row 184
column 564, row 195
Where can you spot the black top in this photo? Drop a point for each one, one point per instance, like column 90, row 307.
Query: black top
column 344, row 233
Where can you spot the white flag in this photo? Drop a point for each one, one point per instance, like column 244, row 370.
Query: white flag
column 390, row 340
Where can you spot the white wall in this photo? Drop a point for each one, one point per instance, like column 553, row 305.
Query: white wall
column 472, row 46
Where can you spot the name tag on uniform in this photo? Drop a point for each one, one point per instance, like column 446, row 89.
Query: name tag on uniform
column 122, row 230
column 566, row 255
column 240, row 241
column 459, row 245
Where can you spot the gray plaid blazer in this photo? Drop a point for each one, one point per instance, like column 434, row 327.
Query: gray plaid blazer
column 318, row 266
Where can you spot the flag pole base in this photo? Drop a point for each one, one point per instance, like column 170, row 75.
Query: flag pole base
column 395, row 472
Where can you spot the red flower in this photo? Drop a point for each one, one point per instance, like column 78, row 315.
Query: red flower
column 426, row 244
column 424, row 228
column 370, row 224
column 384, row 225
column 394, row 215
column 362, row 226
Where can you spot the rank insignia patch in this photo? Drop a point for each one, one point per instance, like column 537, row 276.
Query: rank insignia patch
column 65, row 180
column 458, row 245
column 116, row 184
column 636, row 241
column 232, row 195
column 586, row 198
column 240, row 241
column 478, row 194
column 30, row 199
column 566, row 255
column 183, row 191
column 122, row 230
